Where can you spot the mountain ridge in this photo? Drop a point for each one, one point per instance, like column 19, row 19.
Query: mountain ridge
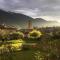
column 21, row 20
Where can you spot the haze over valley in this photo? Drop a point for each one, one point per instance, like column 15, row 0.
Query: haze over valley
column 21, row 20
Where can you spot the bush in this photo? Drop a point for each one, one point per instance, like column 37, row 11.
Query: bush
column 16, row 35
column 34, row 34
column 4, row 37
column 56, row 35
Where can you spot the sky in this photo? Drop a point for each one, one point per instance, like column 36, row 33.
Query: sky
column 47, row 9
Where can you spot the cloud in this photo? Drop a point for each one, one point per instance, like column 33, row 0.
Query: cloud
column 43, row 5
column 29, row 12
column 51, row 18
column 33, row 8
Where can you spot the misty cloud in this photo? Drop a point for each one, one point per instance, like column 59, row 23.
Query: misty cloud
column 33, row 8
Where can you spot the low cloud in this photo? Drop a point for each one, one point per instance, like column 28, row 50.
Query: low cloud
column 29, row 12
column 33, row 8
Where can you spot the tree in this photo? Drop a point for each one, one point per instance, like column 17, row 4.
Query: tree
column 16, row 35
column 56, row 35
column 34, row 34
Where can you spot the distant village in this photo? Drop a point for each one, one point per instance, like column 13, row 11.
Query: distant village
column 45, row 30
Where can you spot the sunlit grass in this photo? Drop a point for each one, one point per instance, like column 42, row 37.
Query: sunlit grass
column 16, row 41
column 14, row 44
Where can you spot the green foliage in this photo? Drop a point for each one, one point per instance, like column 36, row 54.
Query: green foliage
column 16, row 35
column 56, row 35
column 34, row 34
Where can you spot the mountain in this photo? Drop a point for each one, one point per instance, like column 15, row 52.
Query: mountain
column 12, row 18
column 44, row 23
column 17, row 19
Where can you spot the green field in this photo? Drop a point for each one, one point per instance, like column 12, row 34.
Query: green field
column 25, row 50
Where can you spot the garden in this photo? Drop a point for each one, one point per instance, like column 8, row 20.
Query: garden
column 14, row 46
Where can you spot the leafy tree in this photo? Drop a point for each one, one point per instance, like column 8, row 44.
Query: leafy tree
column 56, row 35
column 34, row 34
column 16, row 35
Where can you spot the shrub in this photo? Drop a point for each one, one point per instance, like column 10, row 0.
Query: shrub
column 34, row 34
column 16, row 35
